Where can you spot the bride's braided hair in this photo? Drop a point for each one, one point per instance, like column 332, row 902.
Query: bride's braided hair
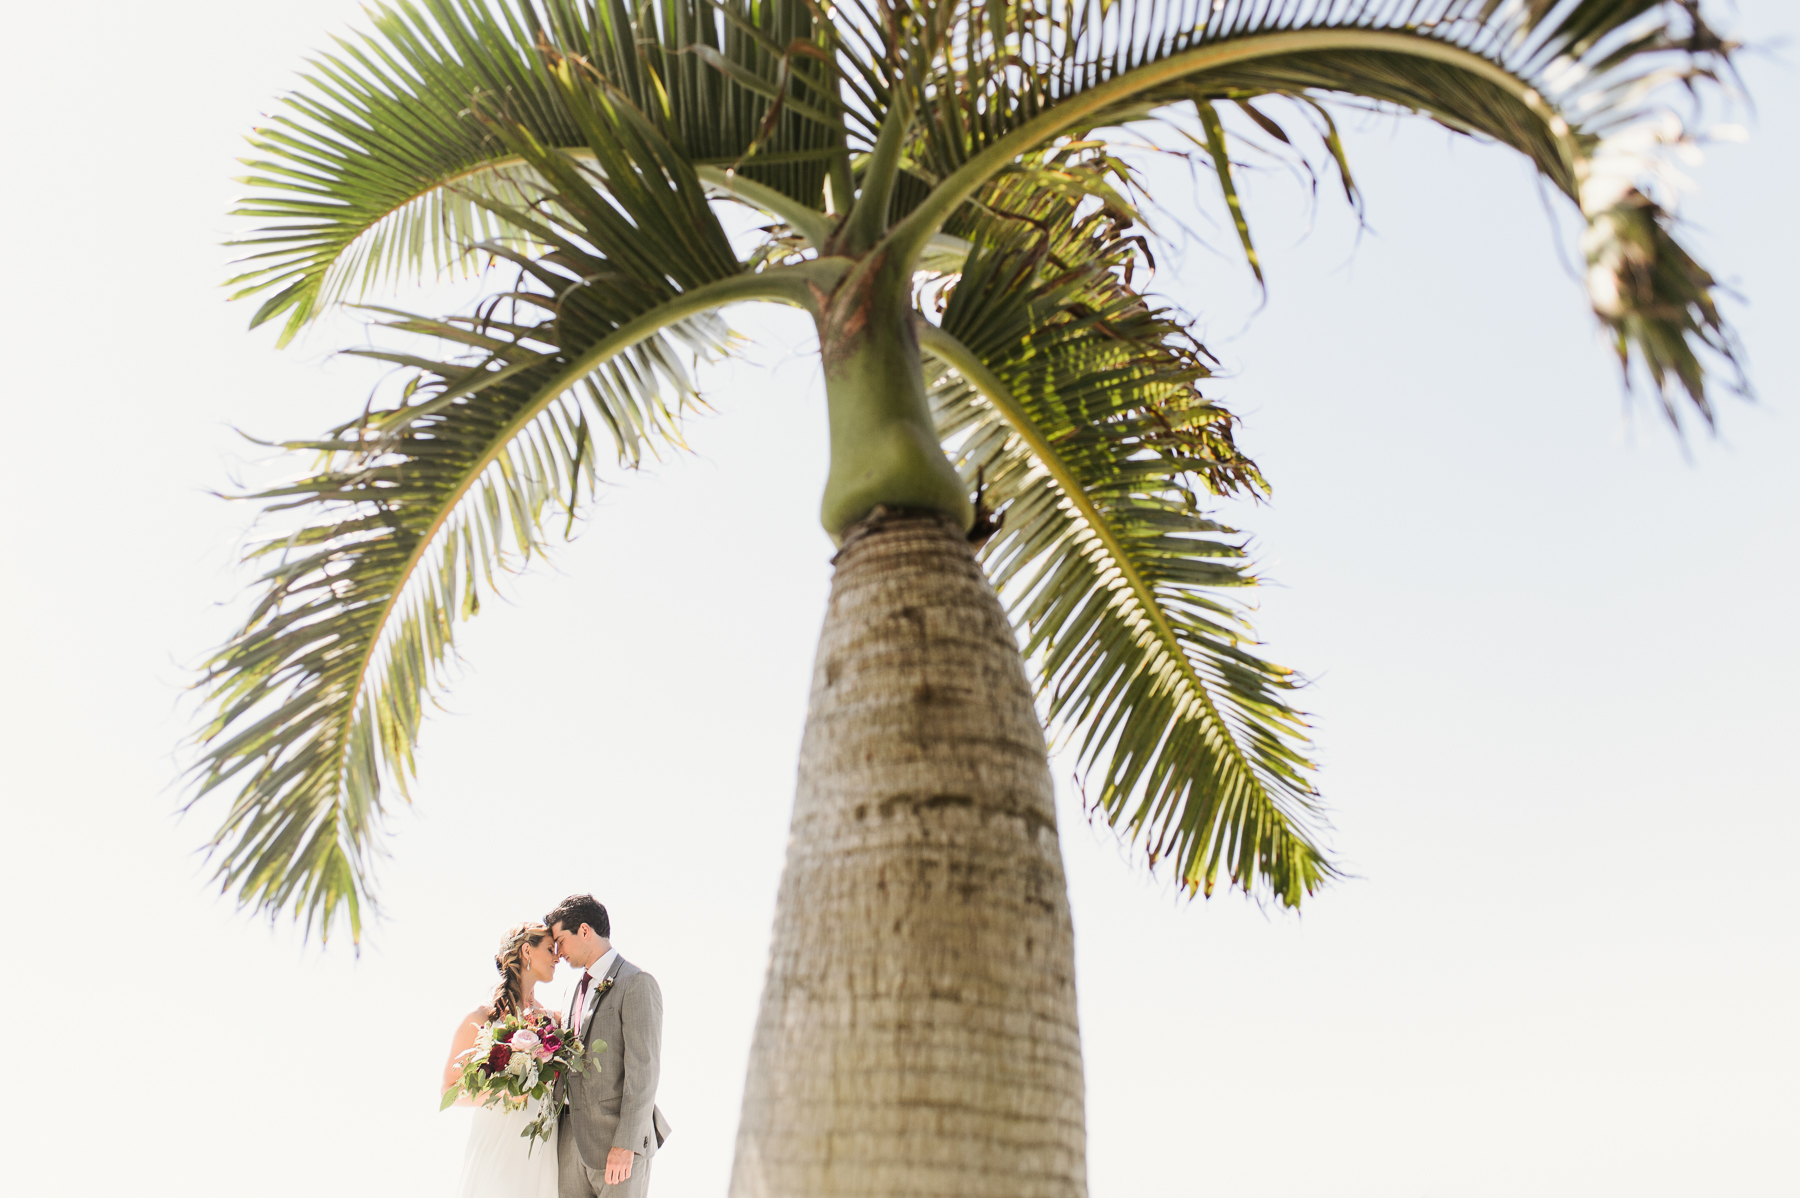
column 510, row 962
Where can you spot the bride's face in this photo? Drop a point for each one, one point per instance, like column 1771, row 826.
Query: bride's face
column 539, row 960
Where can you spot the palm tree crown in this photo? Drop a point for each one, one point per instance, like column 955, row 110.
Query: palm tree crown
column 945, row 194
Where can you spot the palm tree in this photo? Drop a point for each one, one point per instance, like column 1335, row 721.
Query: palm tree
column 945, row 192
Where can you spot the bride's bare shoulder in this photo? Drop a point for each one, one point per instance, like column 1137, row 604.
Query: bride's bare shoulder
column 467, row 1029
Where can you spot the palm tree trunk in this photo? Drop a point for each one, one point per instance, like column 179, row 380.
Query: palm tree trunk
column 917, row 1035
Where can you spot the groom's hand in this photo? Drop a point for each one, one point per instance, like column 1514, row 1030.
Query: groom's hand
column 618, row 1165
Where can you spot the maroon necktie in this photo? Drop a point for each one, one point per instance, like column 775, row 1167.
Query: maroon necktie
column 580, row 998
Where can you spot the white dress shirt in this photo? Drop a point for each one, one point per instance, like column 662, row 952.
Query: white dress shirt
column 597, row 971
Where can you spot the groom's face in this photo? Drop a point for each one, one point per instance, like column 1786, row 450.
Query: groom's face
column 569, row 946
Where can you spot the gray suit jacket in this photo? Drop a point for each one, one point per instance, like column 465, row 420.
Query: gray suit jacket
column 612, row 1102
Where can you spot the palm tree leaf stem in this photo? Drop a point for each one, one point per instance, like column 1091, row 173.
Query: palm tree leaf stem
column 869, row 217
column 632, row 334
column 909, row 236
column 791, row 285
column 966, row 363
column 240, row 675
column 815, row 226
column 1272, row 847
column 780, row 285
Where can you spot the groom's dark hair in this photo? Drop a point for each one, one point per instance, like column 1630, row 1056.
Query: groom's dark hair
column 580, row 909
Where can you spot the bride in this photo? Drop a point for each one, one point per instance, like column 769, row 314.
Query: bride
column 496, row 1163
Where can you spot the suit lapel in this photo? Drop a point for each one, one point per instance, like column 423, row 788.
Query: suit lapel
column 603, row 989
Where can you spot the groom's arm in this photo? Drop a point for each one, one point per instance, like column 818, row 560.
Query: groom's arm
column 640, row 1019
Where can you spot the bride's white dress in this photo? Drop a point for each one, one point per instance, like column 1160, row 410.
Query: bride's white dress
column 496, row 1164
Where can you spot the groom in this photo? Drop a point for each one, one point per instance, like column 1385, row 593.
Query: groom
column 610, row 1127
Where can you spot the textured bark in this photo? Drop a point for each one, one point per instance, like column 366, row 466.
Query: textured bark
column 917, row 1035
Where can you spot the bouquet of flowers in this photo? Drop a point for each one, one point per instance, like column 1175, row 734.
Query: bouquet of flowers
column 515, row 1058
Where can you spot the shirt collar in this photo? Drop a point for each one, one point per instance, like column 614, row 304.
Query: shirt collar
column 599, row 968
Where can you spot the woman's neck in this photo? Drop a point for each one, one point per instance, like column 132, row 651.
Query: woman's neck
column 526, row 986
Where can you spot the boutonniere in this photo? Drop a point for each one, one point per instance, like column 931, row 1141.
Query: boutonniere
column 602, row 988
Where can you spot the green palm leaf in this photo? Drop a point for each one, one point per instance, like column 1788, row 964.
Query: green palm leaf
column 1077, row 404
column 417, row 505
column 580, row 146
column 1567, row 84
column 379, row 169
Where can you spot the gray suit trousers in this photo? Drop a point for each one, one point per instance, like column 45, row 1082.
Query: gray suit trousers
column 576, row 1180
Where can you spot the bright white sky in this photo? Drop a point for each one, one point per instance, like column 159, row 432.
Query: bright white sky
column 1555, row 660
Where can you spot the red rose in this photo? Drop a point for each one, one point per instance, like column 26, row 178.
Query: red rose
column 498, row 1057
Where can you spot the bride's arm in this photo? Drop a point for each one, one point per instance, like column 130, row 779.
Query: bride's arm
column 462, row 1042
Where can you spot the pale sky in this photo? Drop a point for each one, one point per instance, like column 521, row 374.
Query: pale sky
column 1555, row 660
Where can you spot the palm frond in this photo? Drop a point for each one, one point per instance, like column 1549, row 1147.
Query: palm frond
column 316, row 703
column 576, row 142
column 1570, row 84
column 379, row 170
column 1076, row 403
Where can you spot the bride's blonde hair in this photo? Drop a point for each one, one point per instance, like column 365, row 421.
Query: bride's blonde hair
column 510, row 961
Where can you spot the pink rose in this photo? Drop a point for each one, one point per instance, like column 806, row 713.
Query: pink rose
column 524, row 1041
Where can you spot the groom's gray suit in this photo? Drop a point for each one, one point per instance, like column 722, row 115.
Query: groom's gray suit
column 612, row 1102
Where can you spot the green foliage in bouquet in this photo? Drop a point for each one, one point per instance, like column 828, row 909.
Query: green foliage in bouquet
column 516, row 1059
